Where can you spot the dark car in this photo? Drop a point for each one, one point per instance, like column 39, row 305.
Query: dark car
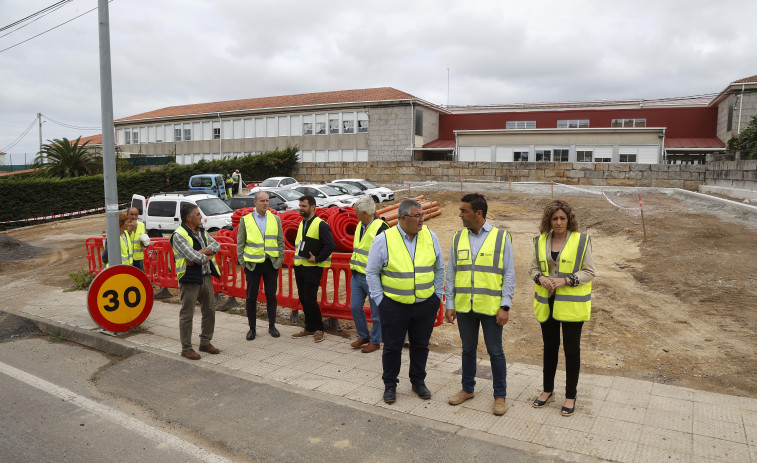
column 276, row 202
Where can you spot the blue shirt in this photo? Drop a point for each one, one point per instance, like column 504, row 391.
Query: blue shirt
column 508, row 269
column 260, row 220
column 378, row 257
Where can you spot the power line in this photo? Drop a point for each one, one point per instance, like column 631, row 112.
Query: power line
column 31, row 22
column 34, row 14
column 63, row 124
column 20, row 137
column 52, row 28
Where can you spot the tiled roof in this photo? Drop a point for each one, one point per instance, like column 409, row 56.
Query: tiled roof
column 92, row 139
column 745, row 80
column 439, row 143
column 694, row 143
column 305, row 99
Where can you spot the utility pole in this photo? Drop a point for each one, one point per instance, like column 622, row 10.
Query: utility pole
column 447, row 87
column 109, row 153
column 39, row 119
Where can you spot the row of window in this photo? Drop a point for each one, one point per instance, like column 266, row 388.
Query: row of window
column 261, row 127
column 561, row 155
column 576, row 124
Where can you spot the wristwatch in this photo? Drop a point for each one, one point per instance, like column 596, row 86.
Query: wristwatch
column 506, row 308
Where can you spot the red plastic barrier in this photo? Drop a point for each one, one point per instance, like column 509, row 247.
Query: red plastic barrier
column 94, row 248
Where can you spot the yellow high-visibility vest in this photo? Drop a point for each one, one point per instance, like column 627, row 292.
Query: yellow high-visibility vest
column 136, row 243
column 404, row 279
column 362, row 244
column 127, row 251
column 258, row 246
column 181, row 263
column 478, row 282
column 572, row 304
column 314, row 231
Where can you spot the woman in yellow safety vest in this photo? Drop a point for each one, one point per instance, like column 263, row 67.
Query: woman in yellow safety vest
column 562, row 271
column 125, row 227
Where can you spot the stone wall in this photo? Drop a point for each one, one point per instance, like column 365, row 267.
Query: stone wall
column 684, row 176
column 732, row 174
column 390, row 133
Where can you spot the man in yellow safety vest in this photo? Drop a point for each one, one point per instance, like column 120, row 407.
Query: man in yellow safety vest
column 260, row 251
column 405, row 273
column 480, row 287
column 138, row 237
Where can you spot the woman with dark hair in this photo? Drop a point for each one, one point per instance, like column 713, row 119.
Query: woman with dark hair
column 562, row 271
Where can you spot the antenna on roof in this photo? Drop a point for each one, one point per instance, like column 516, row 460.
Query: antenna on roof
column 448, row 87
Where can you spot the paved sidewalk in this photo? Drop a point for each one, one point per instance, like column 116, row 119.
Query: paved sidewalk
column 617, row 418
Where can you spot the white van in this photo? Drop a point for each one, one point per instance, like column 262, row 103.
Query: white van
column 161, row 214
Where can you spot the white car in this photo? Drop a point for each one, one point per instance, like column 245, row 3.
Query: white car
column 160, row 213
column 326, row 196
column 379, row 194
column 275, row 182
column 286, row 197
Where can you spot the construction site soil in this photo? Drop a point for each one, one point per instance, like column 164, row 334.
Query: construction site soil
column 676, row 308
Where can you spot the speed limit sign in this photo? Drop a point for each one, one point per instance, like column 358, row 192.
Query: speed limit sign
column 120, row 298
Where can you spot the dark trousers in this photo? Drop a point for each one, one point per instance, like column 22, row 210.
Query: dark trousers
column 140, row 264
column 270, row 276
column 468, row 325
column 571, row 334
column 308, row 281
column 415, row 320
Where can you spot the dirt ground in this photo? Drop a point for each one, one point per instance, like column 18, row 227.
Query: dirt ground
column 676, row 308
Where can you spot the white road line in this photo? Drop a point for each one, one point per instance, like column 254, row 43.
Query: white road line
column 116, row 416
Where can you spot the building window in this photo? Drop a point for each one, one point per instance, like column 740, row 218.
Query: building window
column 333, row 124
column 127, row 132
column 573, row 124
column 418, row 122
column 584, row 156
column 729, row 124
column 520, row 156
column 348, row 126
column 511, row 125
column 561, row 156
column 176, row 134
column 362, row 122
column 307, row 128
column 543, row 155
column 602, row 160
column 320, row 124
column 628, row 123
column 216, row 133
column 627, row 158
column 187, row 134
column 135, row 137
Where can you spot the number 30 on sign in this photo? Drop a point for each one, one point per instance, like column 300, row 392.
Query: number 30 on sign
column 120, row 298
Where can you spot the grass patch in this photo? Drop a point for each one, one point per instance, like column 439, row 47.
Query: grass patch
column 82, row 279
column 57, row 337
column 138, row 329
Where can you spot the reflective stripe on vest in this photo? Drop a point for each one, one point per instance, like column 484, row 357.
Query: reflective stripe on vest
column 181, row 263
column 314, row 231
column 405, row 280
column 478, row 282
column 362, row 244
column 256, row 248
column 135, row 241
column 572, row 304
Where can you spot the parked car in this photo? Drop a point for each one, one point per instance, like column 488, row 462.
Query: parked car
column 326, row 196
column 348, row 189
column 212, row 184
column 275, row 182
column 160, row 213
column 379, row 194
column 280, row 199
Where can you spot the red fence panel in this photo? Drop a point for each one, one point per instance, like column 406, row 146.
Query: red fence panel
column 94, row 247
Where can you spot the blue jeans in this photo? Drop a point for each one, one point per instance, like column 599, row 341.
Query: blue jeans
column 140, row 264
column 358, row 293
column 467, row 324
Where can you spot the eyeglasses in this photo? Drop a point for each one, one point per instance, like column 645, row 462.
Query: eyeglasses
column 416, row 216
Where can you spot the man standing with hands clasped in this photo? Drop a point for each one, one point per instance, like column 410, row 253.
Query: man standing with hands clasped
column 313, row 247
column 260, row 249
column 405, row 273
column 480, row 288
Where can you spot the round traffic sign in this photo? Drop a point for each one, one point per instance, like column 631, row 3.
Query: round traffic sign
column 120, row 298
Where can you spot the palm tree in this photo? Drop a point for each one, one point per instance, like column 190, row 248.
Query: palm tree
column 62, row 158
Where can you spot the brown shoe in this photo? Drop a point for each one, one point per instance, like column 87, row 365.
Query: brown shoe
column 359, row 343
column 190, row 354
column 500, row 406
column 370, row 348
column 460, row 397
column 209, row 349
column 302, row 334
column 318, row 336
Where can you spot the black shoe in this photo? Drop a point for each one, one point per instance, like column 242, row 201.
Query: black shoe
column 565, row 411
column 273, row 332
column 390, row 394
column 251, row 335
column 422, row 391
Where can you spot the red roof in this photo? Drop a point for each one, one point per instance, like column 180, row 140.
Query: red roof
column 305, row 99
column 745, row 80
column 439, row 143
column 694, row 143
column 92, row 139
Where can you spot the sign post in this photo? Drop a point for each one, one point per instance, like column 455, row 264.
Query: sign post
column 120, row 298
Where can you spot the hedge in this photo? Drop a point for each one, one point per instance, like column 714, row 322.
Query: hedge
column 36, row 197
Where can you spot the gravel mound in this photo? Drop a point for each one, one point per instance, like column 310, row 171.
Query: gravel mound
column 12, row 249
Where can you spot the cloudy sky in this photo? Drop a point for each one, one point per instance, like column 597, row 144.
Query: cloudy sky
column 172, row 52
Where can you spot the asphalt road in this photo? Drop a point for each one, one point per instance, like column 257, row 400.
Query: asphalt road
column 65, row 402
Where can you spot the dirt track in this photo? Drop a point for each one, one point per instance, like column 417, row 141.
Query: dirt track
column 677, row 308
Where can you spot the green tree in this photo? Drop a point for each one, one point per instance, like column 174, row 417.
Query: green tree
column 62, row 158
column 746, row 141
